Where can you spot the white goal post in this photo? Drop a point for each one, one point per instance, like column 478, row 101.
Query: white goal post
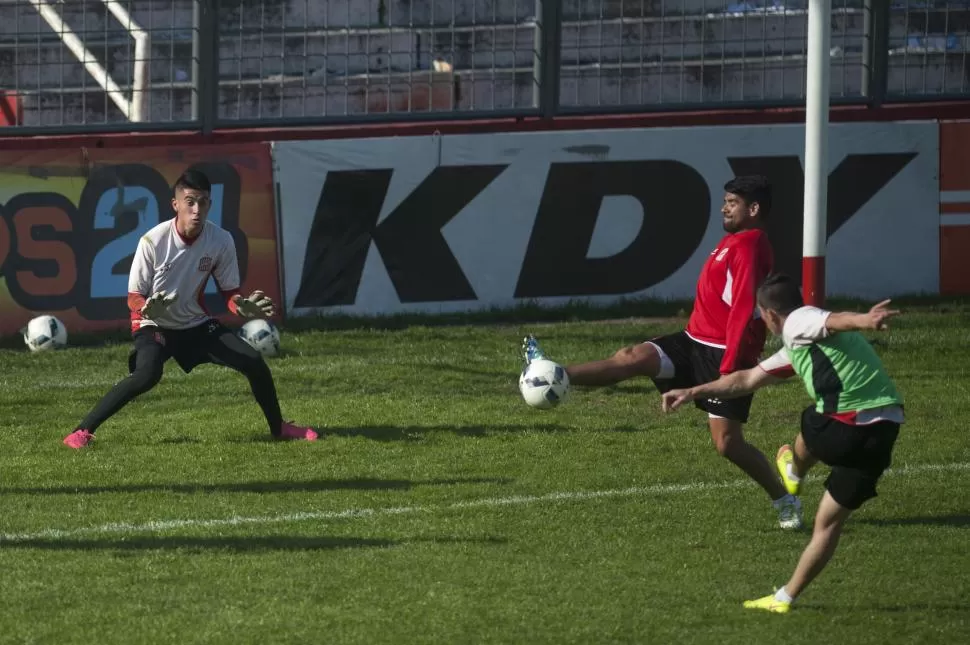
column 132, row 107
column 815, row 212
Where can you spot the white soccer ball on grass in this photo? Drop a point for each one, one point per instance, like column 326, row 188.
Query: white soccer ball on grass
column 263, row 336
column 544, row 384
column 45, row 332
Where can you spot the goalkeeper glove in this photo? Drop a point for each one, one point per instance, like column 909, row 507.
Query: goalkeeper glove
column 256, row 305
column 157, row 304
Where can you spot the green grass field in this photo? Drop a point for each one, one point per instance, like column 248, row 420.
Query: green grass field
column 439, row 508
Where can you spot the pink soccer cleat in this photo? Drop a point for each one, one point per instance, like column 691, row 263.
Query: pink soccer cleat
column 78, row 439
column 291, row 431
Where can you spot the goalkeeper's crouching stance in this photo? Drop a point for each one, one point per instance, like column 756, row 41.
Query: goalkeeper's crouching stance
column 171, row 267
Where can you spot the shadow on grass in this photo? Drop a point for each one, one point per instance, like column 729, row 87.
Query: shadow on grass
column 234, row 544
column 307, row 486
column 177, row 441
column 415, row 433
column 403, row 433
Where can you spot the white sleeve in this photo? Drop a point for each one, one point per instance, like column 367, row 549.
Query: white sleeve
column 226, row 270
column 805, row 326
column 141, row 278
column 778, row 364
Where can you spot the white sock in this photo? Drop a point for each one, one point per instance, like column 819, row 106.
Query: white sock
column 790, row 470
column 782, row 596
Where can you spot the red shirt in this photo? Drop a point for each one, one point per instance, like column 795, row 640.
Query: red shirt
column 725, row 313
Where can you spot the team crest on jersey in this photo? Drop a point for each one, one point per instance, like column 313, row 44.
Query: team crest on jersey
column 205, row 264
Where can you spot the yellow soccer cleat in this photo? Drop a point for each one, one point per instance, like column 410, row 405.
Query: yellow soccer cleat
column 768, row 603
column 785, row 463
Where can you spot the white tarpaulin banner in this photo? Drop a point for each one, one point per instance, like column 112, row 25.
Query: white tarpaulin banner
column 462, row 222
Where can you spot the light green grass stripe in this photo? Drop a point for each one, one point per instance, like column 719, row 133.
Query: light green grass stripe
column 487, row 502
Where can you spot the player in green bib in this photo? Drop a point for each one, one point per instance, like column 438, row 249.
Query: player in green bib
column 852, row 426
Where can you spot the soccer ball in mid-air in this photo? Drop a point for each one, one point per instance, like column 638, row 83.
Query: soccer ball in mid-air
column 544, row 384
column 263, row 336
column 45, row 332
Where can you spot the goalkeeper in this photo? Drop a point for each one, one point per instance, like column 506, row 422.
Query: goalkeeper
column 171, row 267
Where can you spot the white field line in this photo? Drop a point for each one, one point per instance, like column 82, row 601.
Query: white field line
column 486, row 502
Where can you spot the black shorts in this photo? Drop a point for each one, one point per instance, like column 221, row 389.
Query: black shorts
column 858, row 455
column 189, row 347
column 694, row 364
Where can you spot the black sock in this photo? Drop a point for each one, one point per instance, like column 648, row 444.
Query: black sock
column 124, row 391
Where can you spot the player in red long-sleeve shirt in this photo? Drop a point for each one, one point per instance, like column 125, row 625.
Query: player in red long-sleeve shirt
column 723, row 335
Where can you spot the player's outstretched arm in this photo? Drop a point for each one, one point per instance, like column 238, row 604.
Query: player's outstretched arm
column 729, row 386
column 876, row 318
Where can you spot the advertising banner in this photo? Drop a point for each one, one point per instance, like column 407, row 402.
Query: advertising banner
column 463, row 222
column 70, row 221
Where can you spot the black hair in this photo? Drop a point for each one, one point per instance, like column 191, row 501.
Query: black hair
column 753, row 189
column 780, row 293
column 193, row 180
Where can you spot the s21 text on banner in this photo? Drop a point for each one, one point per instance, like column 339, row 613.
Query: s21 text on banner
column 474, row 221
column 70, row 221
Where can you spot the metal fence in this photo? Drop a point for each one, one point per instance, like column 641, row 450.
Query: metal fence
column 117, row 64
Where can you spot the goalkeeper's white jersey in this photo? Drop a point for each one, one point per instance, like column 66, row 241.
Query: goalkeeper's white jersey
column 165, row 261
